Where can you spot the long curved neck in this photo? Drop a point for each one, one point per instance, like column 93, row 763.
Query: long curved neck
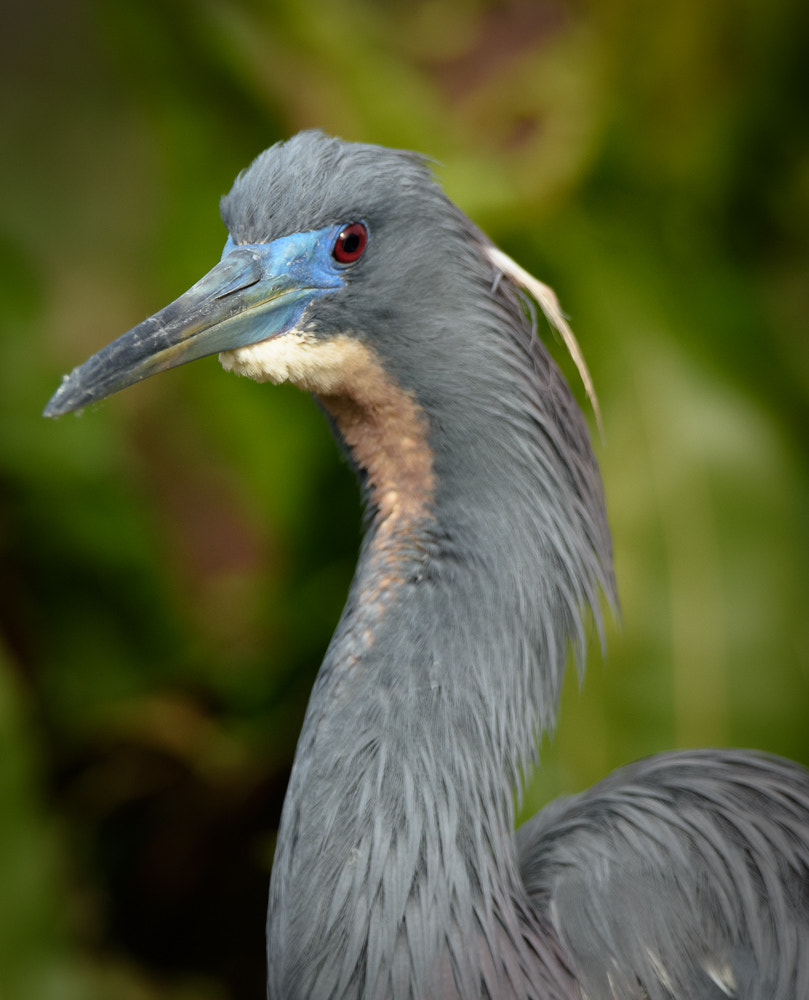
column 395, row 872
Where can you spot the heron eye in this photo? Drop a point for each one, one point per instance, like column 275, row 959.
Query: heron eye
column 350, row 244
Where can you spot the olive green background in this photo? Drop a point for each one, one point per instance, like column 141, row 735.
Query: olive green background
column 172, row 561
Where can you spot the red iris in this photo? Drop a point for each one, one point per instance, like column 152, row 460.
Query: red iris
column 350, row 244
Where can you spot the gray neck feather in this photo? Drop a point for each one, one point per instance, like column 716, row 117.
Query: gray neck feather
column 395, row 873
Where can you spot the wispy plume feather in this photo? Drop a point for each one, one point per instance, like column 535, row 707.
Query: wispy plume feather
column 549, row 304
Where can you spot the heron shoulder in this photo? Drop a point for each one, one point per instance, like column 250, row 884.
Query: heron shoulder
column 686, row 874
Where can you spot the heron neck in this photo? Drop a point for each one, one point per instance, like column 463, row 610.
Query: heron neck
column 395, row 850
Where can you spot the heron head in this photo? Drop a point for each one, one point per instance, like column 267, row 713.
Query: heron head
column 333, row 250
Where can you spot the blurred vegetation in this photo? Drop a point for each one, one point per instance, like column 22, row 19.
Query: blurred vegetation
column 172, row 562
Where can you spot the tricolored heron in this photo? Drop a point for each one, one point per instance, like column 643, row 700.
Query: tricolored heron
column 397, row 872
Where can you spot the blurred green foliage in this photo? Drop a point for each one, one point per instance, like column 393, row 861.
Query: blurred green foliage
column 173, row 561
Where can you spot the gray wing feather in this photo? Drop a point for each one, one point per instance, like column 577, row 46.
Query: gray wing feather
column 682, row 876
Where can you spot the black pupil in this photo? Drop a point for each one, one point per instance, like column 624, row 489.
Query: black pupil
column 351, row 242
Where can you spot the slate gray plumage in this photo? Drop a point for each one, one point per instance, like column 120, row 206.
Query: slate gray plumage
column 397, row 872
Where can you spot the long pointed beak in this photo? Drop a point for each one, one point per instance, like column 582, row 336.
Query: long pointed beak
column 254, row 293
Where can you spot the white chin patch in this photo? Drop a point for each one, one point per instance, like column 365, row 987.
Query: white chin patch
column 320, row 366
column 267, row 361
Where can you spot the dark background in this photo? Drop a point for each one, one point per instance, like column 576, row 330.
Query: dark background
column 172, row 561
